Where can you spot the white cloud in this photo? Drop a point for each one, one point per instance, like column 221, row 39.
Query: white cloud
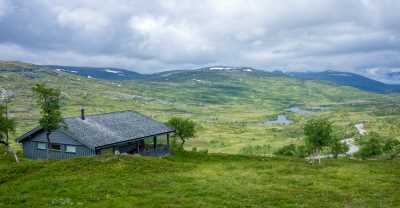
column 5, row 7
column 82, row 19
column 353, row 35
column 169, row 39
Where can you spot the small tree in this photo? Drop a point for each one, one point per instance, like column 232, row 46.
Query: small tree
column 7, row 126
column 184, row 128
column 318, row 134
column 49, row 101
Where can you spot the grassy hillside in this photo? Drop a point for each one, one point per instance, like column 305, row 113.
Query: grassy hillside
column 231, row 107
column 197, row 180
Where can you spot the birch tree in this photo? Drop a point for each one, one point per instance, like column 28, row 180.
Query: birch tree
column 318, row 134
column 49, row 101
column 7, row 125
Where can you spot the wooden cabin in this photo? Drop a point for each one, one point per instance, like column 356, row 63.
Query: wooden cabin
column 126, row 132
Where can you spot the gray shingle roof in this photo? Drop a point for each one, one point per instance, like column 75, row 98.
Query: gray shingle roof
column 109, row 128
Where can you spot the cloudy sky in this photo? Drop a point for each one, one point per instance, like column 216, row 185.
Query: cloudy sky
column 148, row 36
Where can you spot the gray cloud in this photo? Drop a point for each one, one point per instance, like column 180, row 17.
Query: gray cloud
column 148, row 36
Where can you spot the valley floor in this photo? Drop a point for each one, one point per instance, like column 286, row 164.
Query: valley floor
column 198, row 180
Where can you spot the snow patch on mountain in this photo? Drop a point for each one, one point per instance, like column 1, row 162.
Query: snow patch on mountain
column 220, row 68
column 112, row 71
column 229, row 69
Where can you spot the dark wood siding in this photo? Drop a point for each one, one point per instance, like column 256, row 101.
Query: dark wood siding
column 32, row 151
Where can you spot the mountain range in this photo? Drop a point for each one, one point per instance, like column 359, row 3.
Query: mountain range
column 333, row 77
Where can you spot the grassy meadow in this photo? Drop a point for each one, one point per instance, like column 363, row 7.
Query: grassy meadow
column 198, row 180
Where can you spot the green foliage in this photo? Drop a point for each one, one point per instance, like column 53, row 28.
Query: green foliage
column 184, row 128
column 293, row 150
column 318, row 134
column 390, row 145
column 7, row 125
column 49, row 101
column 371, row 145
column 391, row 148
column 287, row 150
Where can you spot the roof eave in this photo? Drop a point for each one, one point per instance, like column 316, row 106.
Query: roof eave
column 28, row 134
column 132, row 140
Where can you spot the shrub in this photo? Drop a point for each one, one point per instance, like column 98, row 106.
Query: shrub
column 391, row 149
column 371, row 146
column 390, row 145
column 287, row 150
column 302, row 151
column 293, row 150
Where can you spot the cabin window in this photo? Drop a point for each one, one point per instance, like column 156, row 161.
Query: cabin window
column 56, row 147
column 42, row 146
column 71, row 149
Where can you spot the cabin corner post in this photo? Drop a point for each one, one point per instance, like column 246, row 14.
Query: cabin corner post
column 168, row 140
column 155, row 143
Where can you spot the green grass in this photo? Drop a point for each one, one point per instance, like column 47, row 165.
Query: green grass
column 198, row 180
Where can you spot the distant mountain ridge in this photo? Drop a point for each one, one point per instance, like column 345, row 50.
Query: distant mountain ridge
column 212, row 73
column 348, row 79
column 222, row 72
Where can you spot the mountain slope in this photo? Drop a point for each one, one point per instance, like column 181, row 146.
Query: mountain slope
column 213, row 73
column 349, row 79
column 98, row 72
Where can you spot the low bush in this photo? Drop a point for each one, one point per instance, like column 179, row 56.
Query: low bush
column 292, row 150
column 371, row 146
column 391, row 149
column 374, row 145
column 390, row 145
